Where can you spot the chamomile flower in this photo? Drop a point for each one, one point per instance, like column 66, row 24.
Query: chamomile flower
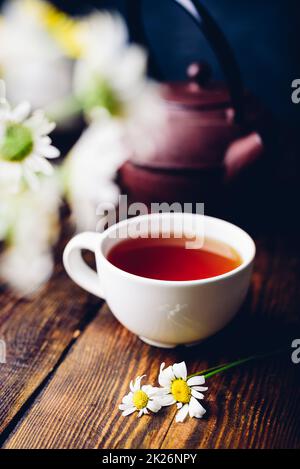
column 125, row 111
column 36, row 54
column 24, row 144
column 109, row 72
column 141, row 399
column 181, row 390
column 29, row 228
column 89, row 172
column 110, row 76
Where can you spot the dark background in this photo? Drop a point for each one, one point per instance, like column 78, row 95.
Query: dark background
column 265, row 36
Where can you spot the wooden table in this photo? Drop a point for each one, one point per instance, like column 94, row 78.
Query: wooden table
column 69, row 363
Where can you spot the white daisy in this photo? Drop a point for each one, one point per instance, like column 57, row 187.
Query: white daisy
column 110, row 72
column 24, row 144
column 90, row 169
column 34, row 63
column 29, row 227
column 141, row 399
column 111, row 77
column 182, row 390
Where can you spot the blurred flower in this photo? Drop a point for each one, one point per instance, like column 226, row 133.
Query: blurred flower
column 125, row 111
column 110, row 77
column 28, row 217
column 89, row 171
column 35, row 55
column 64, row 29
column 29, row 227
column 24, row 144
column 110, row 72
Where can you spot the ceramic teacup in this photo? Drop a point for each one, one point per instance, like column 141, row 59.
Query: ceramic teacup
column 164, row 313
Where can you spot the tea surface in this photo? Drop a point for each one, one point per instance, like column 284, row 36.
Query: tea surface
column 168, row 259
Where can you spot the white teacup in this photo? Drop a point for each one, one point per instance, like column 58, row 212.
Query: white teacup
column 164, row 313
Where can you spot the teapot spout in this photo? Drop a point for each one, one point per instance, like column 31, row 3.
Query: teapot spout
column 242, row 153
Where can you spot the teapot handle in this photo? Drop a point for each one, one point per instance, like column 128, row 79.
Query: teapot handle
column 214, row 36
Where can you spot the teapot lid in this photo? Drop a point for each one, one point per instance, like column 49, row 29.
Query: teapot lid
column 211, row 95
column 199, row 92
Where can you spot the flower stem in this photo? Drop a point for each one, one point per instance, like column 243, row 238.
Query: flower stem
column 203, row 372
column 226, row 366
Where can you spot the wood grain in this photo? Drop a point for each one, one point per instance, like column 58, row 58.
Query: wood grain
column 257, row 405
column 37, row 331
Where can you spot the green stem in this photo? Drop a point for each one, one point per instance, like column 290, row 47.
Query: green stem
column 202, row 373
column 226, row 366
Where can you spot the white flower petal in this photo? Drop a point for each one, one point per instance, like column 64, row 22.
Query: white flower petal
column 182, row 413
column 129, row 411
column 125, row 406
column 142, row 412
column 154, row 405
column 2, row 91
column 163, row 391
column 137, row 383
column 39, row 165
column 42, row 141
column 10, row 176
column 131, row 386
column 39, row 124
column 200, row 388
column 167, row 400
column 196, row 409
column 150, row 390
column 196, row 380
column 48, row 151
column 179, row 405
column 180, row 370
column 31, row 179
column 128, row 398
column 21, row 112
column 166, row 376
column 14, row 267
column 131, row 71
column 197, row 394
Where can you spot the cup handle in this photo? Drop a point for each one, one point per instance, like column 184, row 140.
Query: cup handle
column 77, row 268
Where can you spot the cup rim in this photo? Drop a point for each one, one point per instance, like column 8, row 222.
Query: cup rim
column 177, row 283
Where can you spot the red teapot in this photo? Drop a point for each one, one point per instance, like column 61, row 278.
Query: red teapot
column 213, row 131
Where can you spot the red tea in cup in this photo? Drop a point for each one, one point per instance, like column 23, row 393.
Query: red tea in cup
column 170, row 259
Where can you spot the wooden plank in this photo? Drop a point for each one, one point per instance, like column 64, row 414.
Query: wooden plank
column 37, row 332
column 79, row 408
column 257, row 405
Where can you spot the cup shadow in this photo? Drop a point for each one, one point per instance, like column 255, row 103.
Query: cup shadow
column 247, row 334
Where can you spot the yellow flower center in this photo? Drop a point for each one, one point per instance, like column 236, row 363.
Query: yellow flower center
column 181, row 391
column 63, row 28
column 140, row 399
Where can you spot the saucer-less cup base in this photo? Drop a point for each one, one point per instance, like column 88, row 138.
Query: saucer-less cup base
column 164, row 313
column 162, row 345
column 156, row 344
